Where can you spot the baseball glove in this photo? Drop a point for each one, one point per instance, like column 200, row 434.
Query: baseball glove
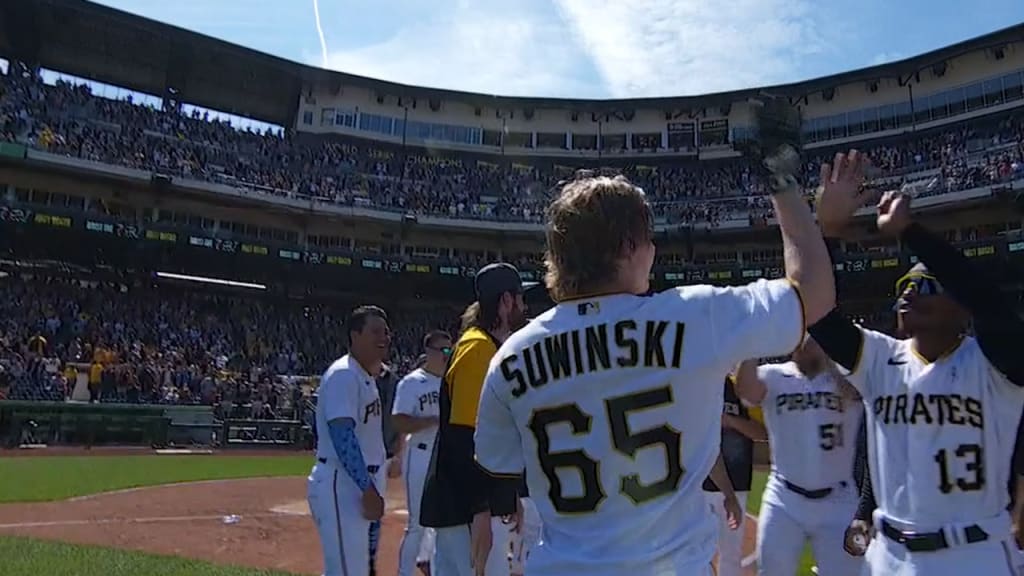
column 777, row 146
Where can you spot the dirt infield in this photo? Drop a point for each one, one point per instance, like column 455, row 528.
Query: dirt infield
column 187, row 520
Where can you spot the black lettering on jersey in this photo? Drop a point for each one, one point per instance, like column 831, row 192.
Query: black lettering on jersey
column 627, row 342
column 975, row 413
column 428, row 399
column 598, row 355
column 536, row 372
column 920, row 414
column 901, row 408
column 819, row 400
column 933, row 409
column 677, row 346
column 577, row 351
column 557, row 348
column 654, row 351
column 941, row 406
column 371, row 409
column 512, row 373
column 954, row 404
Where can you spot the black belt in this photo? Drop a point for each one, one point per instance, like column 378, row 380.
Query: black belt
column 809, row 494
column 930, row 541
column 370, row 469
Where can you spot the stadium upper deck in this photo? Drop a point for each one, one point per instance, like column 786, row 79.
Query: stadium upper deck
column 975, row 77
column 361, row 149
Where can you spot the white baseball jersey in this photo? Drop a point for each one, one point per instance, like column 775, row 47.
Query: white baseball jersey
column 347, row 391
column 812, row 430
column 612, row 405
column 940, row 435
column 418, row 395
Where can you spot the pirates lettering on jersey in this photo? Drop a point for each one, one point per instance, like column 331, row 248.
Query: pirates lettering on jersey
column 819, row 400
column 428, row 399
column 371, row 409
column 938, row 409
column 625, row 344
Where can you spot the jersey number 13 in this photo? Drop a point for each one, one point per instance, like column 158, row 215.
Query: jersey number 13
column 624, row 440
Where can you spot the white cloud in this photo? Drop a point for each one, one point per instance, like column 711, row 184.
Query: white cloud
column 505, row 47
column 683, row 47
column 886, row 57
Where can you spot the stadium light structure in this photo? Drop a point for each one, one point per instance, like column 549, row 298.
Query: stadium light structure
column 208, row 280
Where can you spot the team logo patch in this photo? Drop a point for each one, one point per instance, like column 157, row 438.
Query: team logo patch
column 585, row 308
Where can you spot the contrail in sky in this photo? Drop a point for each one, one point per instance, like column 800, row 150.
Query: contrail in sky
column 320, row 33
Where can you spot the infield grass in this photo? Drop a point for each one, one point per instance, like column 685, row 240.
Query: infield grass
column 38, row 479
column 28, row 557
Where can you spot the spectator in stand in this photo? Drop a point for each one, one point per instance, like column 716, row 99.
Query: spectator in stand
column 67, row 119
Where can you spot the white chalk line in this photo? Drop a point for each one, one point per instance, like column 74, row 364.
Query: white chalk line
column 752, row 558
column 149, row 520
column 746, row 562
column 120, row 491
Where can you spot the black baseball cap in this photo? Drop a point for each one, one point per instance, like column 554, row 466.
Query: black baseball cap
column 493, row 280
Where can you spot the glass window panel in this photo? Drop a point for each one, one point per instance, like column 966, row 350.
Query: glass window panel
column 939, row 106
column 975, row 96
column 994, row 92
column 957, row 101
column 1012, row 84
column 871, row 123
column 887, row 117
column 838, row 123
column 855, row 122
column 904, row 114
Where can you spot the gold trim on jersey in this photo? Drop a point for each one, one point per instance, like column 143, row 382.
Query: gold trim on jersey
column 803, row 313
column 860, row 350
column 590, row 296
column 946, row 354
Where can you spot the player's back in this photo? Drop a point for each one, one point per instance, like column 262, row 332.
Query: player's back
column 621, row 396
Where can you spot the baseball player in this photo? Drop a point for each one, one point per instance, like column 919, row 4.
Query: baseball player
column 416, row 413
column 741, row 427
column 611, row 399
column 944, row 408
column 457, row 495
column 860, row 531
column 342, row 489
column 810, row 496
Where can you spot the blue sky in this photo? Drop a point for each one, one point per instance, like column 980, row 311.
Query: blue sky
column 589, row 48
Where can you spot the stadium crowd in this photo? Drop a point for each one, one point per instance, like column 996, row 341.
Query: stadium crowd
column 151, row 344
column 161, row 345
column 67, row 119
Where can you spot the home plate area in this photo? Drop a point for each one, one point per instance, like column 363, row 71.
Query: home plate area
column 257, row 522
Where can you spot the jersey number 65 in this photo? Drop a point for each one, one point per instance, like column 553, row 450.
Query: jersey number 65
column 624, row 440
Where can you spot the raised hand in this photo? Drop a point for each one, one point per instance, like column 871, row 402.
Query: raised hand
column 841, row 192
column 893, row 213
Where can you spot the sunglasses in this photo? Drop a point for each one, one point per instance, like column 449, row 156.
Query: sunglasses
column 446, row 350
column 923, row 284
